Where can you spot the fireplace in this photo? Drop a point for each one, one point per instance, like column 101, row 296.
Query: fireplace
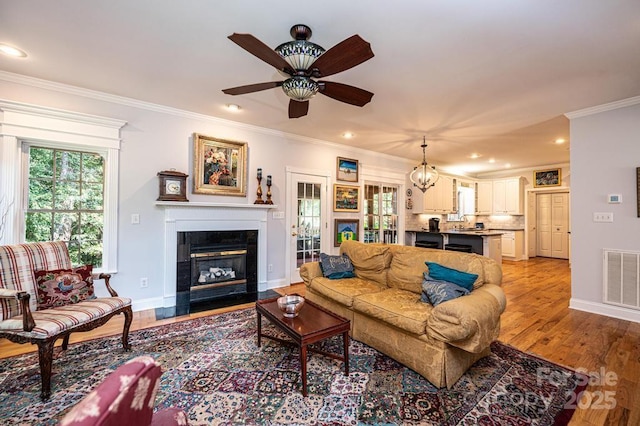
column 215, row 269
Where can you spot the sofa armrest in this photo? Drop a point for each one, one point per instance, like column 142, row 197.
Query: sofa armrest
column 309, row 271
column 469, row 322
column 23, row 297
column 106, row 278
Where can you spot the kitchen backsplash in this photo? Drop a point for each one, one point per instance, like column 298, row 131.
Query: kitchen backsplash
column 415, row 222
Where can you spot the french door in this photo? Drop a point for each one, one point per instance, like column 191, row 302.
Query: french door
column 307, row 220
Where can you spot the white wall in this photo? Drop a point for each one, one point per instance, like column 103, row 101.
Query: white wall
column 157, row 138
column 605, row 151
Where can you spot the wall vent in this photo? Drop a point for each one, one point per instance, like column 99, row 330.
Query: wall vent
column 622, row 278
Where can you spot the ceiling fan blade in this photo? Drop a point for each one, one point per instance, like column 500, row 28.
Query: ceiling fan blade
column 261, row 51
column 241, row 90
column 298, row 109
column 345, row 93
column 344, row 55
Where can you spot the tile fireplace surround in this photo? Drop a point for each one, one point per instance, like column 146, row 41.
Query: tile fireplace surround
column 198, row 216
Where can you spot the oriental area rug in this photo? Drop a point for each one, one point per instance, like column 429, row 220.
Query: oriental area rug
column 213, row 369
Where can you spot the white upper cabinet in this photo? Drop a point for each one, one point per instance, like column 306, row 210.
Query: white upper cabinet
column 484, row 197
column 508, row 196
column 439, row 199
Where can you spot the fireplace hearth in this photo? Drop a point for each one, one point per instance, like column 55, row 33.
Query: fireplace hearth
column 215, row 269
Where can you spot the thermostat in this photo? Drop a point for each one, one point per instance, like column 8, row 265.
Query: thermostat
column 614, row 198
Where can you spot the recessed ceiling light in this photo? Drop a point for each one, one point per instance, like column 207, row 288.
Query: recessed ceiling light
column 232, row 107
column 348, row 135
column 12, row 51
column 474, row 155
column 492, row 160
column 560, row 141
column 507, row 166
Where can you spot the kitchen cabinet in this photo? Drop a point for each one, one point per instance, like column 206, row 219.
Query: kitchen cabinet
column 439, row 199
column 512, row 244
column 484, row 197
column 492, row 247
column 508, row 196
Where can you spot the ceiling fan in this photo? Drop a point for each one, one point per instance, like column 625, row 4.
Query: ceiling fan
column 304, row 62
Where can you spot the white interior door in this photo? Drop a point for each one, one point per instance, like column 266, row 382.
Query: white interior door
column 544, row 225
column 307, row 217
column 560, row 225
column 532, row 234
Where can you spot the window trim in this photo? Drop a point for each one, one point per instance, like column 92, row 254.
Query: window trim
column 22, row 125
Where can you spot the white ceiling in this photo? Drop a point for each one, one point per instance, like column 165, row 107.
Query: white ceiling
column 492, row 77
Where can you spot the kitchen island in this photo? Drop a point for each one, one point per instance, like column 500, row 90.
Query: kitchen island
column 483, row 242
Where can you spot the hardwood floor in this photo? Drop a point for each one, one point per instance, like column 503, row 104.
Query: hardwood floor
column 537, row 320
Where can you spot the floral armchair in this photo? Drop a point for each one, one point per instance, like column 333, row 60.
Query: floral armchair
column 59, row 302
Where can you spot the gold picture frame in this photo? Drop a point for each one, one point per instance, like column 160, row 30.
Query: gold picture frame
column 548, row 177
column 219, row 166
column 346, row 198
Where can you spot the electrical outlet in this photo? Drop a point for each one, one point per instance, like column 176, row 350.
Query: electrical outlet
column 135, row 219
column 144, row 282
column 603, row 217
column 270, row 268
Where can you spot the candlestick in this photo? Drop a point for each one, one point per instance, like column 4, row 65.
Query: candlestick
column 268, row 190
column 259, row 199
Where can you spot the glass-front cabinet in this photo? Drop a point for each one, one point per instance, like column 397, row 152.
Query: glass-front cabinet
column 380, row 214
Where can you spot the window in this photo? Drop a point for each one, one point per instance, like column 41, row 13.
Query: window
column 88, row 142
column 380, row 214
column 65, row 201
column 466, row 203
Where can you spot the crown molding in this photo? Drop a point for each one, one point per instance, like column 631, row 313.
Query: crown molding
column 603, row 108
column 121, row 100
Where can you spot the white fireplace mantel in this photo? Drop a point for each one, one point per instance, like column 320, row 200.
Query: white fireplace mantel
column 197, row 216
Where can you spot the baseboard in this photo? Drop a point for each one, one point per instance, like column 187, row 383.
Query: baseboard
column 270, row 285
column 607, row 310
column 145, row 304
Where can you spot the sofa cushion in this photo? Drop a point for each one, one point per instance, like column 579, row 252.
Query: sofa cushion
column 64, row 286
column 344, row 290
column 51, row 322
column 370, row 261
column 400, row 308
column 336, row 267
column 461, row 278
column 438, row 291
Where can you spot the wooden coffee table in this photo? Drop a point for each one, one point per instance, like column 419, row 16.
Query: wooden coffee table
column 312, row 325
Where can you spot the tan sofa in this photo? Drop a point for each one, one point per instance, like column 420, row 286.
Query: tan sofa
column 384, row 306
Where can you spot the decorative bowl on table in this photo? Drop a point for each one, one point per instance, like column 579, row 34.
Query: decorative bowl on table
column 290, row 305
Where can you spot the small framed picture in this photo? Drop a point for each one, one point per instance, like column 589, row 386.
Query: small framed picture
column 549, row 177
column 347, row 170
column 345, row 229
column 346, row 198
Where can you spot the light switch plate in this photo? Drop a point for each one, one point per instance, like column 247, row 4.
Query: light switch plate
column 603, row 217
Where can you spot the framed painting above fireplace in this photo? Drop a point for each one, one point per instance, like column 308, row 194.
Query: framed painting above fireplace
column 220, row 166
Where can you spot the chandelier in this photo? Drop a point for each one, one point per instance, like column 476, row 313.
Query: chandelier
column 424, row 176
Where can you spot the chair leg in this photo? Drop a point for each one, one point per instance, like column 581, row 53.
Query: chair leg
column 65, row 342
column 45, row 355
column 128, row 317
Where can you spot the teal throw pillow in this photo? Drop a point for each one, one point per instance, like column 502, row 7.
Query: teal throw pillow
column 463, row 279
column 336, row 267
column 438, row 291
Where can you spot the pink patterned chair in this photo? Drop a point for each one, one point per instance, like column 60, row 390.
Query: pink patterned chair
column 31, row 312
column 126, row 397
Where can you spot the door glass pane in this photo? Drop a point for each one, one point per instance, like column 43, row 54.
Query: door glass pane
column 381, row 214
column 309, row 220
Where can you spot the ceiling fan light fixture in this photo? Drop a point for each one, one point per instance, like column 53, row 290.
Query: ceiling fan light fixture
column 300, row 88
column 300, row 54
column 424, row 176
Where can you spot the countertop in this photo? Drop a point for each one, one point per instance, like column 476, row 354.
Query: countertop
column 478, row 233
